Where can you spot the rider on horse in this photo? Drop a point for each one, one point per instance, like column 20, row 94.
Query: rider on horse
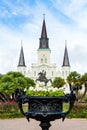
column 42, row 77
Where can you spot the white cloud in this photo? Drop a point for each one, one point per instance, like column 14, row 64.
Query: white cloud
column 58, row 32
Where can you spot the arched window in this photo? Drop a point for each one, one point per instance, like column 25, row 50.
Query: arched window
column 34, row 73
column 41, row 60
column 45, row 60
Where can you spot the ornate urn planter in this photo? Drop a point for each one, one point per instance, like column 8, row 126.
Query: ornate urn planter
column 44, row 109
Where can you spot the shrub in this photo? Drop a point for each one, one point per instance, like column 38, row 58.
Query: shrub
column 85, row 99
column 9, row 110
column 79, row 111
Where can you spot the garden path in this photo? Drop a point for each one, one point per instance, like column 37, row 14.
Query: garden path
column 22, row 124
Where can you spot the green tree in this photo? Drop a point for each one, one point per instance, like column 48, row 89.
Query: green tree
column 6, row 85
column 58, row 82
column 12, row 80
column 29, row 82
column 74, row 79
column 84, row 82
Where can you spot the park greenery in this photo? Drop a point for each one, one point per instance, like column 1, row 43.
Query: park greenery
column 77, row 82
column 12, row 80
column 9, row 110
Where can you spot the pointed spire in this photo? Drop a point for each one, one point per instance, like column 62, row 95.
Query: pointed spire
column 44, row 40
column 44, row 32
column 21, row 58
column 66, row 58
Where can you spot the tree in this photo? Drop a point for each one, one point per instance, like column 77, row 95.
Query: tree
column 84, row 82
column 12, row 80
column 74, row 79
column 30, row 82
column 58, row 82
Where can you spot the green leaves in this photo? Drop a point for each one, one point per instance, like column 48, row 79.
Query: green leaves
column 58, row 82
column 10, row 81
column 74, row 78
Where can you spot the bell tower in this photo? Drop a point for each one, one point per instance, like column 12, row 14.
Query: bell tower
column 44, row 50
column 43, row 56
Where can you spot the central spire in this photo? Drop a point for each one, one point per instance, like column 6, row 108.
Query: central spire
column 44, row 32
column 44, row 40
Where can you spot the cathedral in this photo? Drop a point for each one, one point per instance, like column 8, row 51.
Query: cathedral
column 43, row 60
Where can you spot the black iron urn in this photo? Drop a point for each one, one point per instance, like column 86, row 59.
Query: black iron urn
column 44, row 109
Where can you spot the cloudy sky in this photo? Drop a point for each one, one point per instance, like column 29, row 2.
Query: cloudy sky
column 21, row 20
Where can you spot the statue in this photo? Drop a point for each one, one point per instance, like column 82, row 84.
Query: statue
column 42, row 77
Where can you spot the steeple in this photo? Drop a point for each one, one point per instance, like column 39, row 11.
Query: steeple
column 21, row 58
column 66, row 58
column 44, row 40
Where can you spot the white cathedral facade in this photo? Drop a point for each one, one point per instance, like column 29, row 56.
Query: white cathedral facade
column 43, row 60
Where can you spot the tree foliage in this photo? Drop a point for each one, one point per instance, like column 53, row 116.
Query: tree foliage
column 74, row 79
column 84, row 82
column 58, row 82
column 12, row 80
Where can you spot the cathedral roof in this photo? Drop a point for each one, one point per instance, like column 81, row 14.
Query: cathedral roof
column 44, row 32
column 21, row 58
column 44, row 39
column 66, row 58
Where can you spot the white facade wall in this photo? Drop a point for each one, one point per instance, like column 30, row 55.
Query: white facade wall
column 43, row 63
column 21, row 69
column 44, row 56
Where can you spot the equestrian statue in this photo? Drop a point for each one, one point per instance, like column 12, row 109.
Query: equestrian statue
column 42, row 77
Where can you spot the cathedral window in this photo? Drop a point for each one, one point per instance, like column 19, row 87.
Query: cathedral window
column 45, row 60
column 34, row 73
column 41, row 60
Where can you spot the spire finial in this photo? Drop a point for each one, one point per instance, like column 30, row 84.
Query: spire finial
column 44, row 16
column 65, row 42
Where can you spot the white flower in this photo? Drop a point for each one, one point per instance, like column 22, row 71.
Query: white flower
column 25, row 90
column 31, row 88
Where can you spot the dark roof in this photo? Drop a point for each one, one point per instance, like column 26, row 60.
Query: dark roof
column 66, row 58
column 21, row 58
column 44, row 32
column 44, row 40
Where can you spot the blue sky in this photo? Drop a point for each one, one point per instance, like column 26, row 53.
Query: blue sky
column 22, row 20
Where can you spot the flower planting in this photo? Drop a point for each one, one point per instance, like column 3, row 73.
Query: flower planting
column 44, row 91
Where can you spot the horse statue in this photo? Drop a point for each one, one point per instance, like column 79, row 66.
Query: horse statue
column 42, row 77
